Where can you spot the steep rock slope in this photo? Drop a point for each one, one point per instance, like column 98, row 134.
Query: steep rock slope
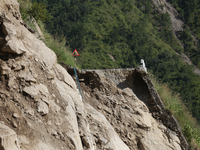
column 163, row 6
column 133, row 107
column 41, row 108
column 177, row 25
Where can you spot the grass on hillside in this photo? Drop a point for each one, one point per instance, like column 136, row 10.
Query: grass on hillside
column 56, row 44
column 173, row 102
column 64, row 54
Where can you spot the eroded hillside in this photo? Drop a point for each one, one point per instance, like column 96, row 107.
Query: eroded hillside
column 132, row 106
column 41, row 108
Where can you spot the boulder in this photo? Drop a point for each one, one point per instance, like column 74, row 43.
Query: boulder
column 8, row 138
column 42, row 108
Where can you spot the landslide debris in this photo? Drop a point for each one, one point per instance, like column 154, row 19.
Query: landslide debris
column 133, row 107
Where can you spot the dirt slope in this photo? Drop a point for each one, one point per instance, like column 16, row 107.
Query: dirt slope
column 133, row 107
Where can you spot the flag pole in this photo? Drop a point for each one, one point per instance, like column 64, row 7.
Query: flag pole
column 75, row 53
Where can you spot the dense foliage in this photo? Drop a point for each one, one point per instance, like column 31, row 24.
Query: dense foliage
column 189, row 12
column 34, row 10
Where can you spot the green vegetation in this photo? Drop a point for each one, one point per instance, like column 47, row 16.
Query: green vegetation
column 189, row 12
column 35, row 10
column 173, row 102
column 57, row 44
column 24, row 6
column 40, row 13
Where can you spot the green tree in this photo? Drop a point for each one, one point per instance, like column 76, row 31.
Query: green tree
column 39, row 12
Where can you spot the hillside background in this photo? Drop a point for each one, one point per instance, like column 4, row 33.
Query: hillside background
column 117, row 34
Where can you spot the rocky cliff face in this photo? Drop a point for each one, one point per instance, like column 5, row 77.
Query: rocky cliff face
column 163, row 6
column 41, row 109
column 177, row 25
column 132, row 106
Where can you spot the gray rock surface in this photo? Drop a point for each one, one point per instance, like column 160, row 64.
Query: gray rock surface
column 131, row 107
column 8, row 138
